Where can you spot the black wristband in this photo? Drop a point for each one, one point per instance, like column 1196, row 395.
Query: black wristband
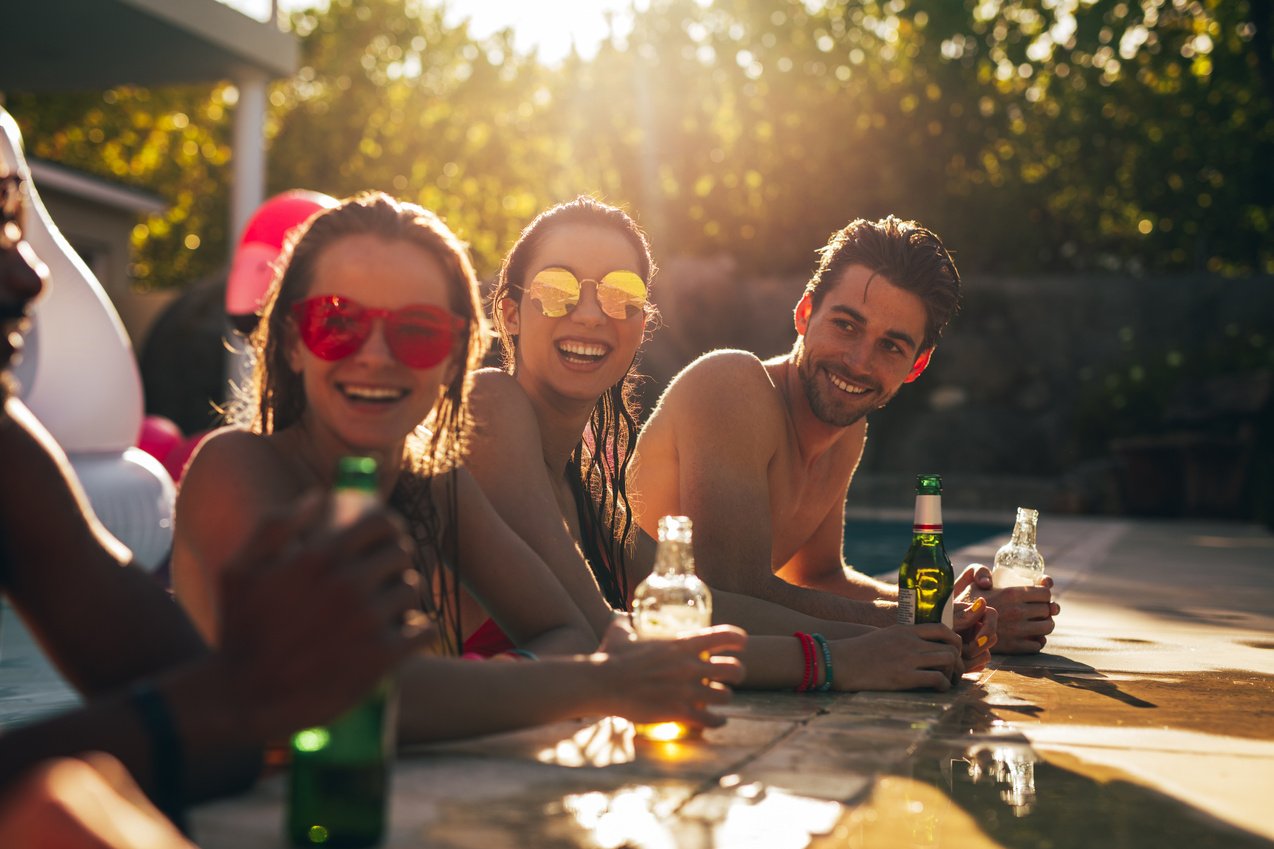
column 166, row 756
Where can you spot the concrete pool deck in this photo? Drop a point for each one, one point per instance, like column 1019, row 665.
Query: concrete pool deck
column 1147, row 721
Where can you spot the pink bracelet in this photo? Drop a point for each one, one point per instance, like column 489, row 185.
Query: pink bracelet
column 807, row 647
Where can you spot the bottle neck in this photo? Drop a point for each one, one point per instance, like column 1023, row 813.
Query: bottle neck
column 1024, row 533
column 928, row 515
column 674, row 557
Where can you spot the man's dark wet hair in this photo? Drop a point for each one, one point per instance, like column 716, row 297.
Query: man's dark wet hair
column 908, row 255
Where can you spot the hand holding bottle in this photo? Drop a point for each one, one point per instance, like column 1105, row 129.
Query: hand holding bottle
column 975, row 623
column 312, row 617
column 1024, row 614
column 672, row 680
column 900, row 657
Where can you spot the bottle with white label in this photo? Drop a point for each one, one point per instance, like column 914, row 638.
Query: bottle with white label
column 926, row 579
column 670, row 602
column 1018, row 563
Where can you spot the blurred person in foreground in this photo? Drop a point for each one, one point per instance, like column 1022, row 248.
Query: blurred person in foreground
column 760, row 455
column 162, row 713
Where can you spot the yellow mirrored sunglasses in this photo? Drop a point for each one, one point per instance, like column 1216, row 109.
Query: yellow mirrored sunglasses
column 621, row 294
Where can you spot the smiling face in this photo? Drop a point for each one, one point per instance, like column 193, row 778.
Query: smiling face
column 582, row 353
column 859, row 346
column 368, row 401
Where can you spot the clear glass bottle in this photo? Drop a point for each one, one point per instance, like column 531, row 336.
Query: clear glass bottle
column 339, row 783
column 1018, row 563
column 671, row 601
column 926, row 579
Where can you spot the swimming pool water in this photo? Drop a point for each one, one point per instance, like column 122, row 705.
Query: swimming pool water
column 876, row 546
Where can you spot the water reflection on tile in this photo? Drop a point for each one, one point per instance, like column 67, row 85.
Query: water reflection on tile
column 633, row 816
column 764, row 816
column 607, row 742
column 1023, row 792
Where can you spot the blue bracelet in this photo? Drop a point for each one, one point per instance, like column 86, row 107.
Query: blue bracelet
column 827, row 662
column 526, row 653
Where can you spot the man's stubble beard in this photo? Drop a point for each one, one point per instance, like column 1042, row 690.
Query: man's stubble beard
column 823, row 408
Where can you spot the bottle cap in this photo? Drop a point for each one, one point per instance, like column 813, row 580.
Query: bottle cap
column 354, row 472
column 929, row 484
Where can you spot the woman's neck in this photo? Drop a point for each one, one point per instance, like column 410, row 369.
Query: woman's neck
column 317, row 451
column 561, row 420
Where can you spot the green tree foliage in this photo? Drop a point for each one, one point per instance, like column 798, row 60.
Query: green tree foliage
column 389, row 98
column 1035, row 135
column 174, row 142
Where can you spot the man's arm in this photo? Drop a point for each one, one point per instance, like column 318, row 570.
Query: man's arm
column 820, row 564
column 67, row 576
column 107, row 625
column 757, row 616
column 103, row 622
column 721, row 424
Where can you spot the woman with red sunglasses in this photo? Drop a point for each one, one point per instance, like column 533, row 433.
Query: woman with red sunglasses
column 369, row 334
column 553, row 436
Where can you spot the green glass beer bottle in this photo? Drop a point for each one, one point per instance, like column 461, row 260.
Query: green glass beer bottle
column 340, row 772
column 925, row 580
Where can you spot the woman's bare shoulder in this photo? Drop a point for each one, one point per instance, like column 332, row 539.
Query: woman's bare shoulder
column 494, row 388
column 500, row 412
column 236, row 465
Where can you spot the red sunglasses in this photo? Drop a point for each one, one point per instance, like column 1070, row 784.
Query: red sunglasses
column 419, row 336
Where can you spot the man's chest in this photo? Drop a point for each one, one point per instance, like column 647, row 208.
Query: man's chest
column 801, row 500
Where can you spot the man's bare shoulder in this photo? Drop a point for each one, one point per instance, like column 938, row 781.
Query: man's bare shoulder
column 722, row 408
column 722, row 381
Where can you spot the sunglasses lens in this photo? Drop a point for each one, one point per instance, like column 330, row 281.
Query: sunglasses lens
column 556, row 290
column 622, row 294
column 421, row 337
column 331, row 327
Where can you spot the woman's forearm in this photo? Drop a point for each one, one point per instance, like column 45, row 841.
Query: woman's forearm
column 447, row 698
column 565, row 640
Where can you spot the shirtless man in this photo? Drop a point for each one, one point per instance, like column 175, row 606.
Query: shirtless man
column 761, row 454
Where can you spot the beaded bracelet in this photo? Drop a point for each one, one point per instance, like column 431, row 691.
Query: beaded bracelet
column 809, row 678
column 166, row 753
column 827, row 663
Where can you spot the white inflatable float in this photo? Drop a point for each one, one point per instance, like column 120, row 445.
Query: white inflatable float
column 79, row 377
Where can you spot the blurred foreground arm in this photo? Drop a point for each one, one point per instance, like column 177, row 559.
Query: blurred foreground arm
column 108, row 625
